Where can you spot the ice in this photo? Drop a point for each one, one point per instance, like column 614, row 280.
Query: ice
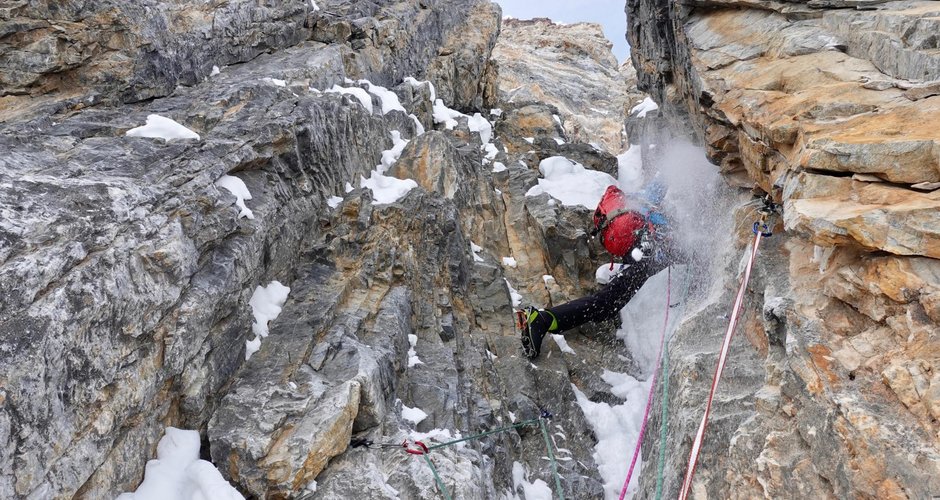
column 238, row 188
column 160, row 127
column 364, row 98
column 645, row 106
column 570, row 183
column 388, row 98
column 413, row 415
column 385, row 189
column 177, row 473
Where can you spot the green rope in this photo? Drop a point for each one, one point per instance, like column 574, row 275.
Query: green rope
column 483, row 434
column 664, row 423
column 551, row 457
column 437, row 477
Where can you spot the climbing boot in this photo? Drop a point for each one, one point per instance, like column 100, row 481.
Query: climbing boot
column 534, row 323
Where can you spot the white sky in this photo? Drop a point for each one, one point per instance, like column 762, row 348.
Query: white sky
column 608, row 13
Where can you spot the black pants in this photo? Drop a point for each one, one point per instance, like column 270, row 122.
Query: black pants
column 609, row 300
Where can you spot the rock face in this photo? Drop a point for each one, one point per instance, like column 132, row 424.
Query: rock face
column 127, row 270
column 831, row 109
column 570, row 66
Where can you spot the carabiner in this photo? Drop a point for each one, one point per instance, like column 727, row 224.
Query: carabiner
column 762, row 229
column 419, row 449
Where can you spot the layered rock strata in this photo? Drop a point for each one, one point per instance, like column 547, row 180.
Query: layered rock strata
column 832, row 388
column 126, row 270
column 570, row 66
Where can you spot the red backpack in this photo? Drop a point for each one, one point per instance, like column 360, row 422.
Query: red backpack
column 616, row 224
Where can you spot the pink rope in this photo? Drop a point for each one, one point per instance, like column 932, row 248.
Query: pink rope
column 649, row 400
column 722, row 358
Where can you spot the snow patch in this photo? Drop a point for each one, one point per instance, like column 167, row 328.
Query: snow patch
column 388, row 98
column 360, row 94
column 645, row 106
column 475, row 250
column 390, row 156
column 266, row 303
column 215, row 71
column 515, row 295
column 535, row 490
column 509, row 261
column 413, row 415
column 498, row 166
column 477, row 123
column 334, row 201
column 419, row 128
column 275, row 81
column 385, row 189
column 178, row 473
column 570, row 183
column 413, row 359
column 161, row 127
column 562, row 343
column 445, row 115
column 238, row 189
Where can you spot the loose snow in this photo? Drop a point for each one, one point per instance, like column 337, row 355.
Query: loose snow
column 644, row 107
column 385, row 189
column 630, row 169
column 413, row 415
column 266, row 303
column 364, row 98
column 238, row 188
column 570, row 183
column 160, row 127
column 178, row 473
column 413, row 359
column 604, row 274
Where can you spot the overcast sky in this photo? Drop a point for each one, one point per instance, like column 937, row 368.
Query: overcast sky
column 608, row 13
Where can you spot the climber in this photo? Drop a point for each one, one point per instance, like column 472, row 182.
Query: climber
column 631, row 228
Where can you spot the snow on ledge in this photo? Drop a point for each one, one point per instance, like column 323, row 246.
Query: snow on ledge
column 177, row 472
column 161, row 127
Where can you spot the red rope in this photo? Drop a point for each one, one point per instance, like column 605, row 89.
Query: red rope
column 649, row 400
column 722, row 357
